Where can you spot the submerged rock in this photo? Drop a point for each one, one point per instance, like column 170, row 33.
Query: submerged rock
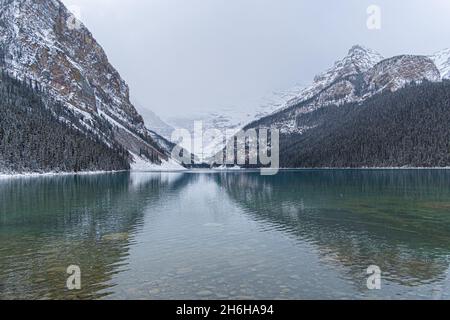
column 115, row 237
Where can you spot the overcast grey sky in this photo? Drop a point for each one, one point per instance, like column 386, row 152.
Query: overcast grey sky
column 196, row 55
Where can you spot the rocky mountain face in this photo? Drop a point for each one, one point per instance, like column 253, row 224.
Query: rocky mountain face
column 41, row 43
column 39, row 134
column 359, row 76
column 336, row 84
column 394, row 73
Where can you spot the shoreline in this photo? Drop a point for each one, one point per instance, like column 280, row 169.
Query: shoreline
column 231, row 170
column 53, row 174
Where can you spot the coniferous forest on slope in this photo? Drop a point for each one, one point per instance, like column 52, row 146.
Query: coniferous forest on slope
column 35, row 136
column 410, row 127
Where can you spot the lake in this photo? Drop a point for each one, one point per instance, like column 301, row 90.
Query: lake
column 308, row 234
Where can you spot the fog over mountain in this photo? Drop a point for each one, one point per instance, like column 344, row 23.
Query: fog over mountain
column 205, row 56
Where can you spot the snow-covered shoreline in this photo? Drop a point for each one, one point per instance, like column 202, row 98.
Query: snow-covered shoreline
column 4, row 175
column 141, row 165
column 157, row 169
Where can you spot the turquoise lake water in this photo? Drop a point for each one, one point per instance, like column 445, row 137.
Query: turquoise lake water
column 298, row 235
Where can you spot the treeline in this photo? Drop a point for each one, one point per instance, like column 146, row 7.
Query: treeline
column 38, row 134
column 410, row 127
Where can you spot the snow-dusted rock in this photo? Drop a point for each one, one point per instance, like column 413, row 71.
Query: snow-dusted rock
column 442, row 61
column 394, row 73
column 143, row 165
column 358, row 61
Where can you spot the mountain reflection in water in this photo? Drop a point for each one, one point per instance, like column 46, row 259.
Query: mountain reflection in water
column 299, row 234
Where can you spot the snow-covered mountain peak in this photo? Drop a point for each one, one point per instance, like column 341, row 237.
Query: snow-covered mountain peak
column 363, row 58
column 358, row 60
column 358, row 76
column 442, row 61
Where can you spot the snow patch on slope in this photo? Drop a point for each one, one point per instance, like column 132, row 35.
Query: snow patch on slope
column 140, row 164
column 442, row 61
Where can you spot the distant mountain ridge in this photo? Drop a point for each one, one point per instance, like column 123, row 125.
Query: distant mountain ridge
column 153, row 121
column 232, row 118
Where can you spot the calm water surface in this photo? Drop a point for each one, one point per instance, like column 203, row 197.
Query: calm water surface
column 297, row 235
